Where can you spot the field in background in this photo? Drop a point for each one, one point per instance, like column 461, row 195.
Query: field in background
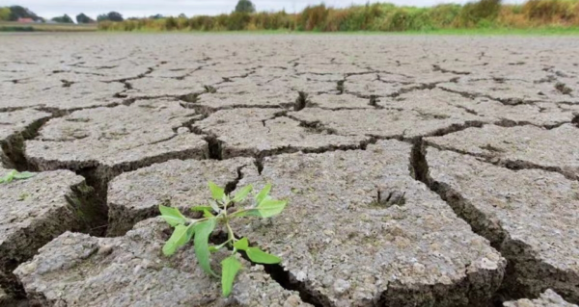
column 46, row 27
column 484, row 14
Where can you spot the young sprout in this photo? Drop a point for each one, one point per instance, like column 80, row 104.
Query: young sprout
column 14, row 174
column 218, row 214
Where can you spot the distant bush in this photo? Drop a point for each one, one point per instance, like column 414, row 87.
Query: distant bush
column 63, row 19
column 475, row 13
column 551, row 11
column 369, row 17
column 313, row 18
column 512, row 16
column 238, row 21
column 16, row 29
column 5, row 13
column 444, row 15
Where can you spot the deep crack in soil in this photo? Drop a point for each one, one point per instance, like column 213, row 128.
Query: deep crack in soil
column 520, row 257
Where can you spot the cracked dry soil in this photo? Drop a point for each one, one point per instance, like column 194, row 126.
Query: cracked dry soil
column 420, row 171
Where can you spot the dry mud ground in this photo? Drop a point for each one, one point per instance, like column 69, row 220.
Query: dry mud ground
column 421, row 171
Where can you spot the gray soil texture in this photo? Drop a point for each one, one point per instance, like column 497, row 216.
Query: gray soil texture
column 419, row 170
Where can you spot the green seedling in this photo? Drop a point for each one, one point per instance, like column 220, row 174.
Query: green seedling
column 15, row 175
column 221, row 210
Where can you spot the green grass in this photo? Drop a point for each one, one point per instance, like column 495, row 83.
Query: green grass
column 502, row 31
column 547, row 31
column 45, row 27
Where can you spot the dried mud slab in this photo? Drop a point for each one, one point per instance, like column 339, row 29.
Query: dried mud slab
column 323, row 66
column 257, row 132
column 531, row 216
column 57, row 94
column 310, row 84
column 359, row 231
column 547, row 299
column 33, row 212
column 14, row 128
column 19, row 121
column 540, row 114
column 250, row 91
column 372, row 85
column 343, row 101
column 519, row 147
column 255, row 99
column 116, row 139
column 264, row 92
column 135, row 196
column 157, row 87
column 78, row 270
column 389, row 122
column 510, row 92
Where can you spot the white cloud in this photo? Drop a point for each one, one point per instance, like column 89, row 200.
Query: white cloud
column 140, row 8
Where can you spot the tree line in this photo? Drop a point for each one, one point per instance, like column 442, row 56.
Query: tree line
column 371, row 17
column 16, row 12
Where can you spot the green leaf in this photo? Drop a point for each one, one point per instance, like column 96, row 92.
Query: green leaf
column 263, row 194
column 242, row 244
column 225, row 199
column 271, row 207
column 201, row 243
column 201, row 208
column 249, row 212
column 172, row 215
column 230, row 266
column 190, row 232
column 240, row 213
column 259, row 256
column 23, row 175
column 178, row 239
column 242, row 194
column 205, row 209
column 214, row 206
column 216, row 192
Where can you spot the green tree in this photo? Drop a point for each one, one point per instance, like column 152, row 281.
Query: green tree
column 82, row 18
column 63, row 19
column 111, row 16
column 5, row 13
column 115, row 16
column 244, row 6
column 17, row 11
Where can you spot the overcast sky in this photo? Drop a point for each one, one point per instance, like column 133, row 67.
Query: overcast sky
column 141, row 8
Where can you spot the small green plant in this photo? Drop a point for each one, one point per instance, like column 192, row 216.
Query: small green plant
column 14, row 174
column 220, row 212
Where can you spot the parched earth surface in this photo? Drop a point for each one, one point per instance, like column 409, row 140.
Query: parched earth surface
column 420, row 171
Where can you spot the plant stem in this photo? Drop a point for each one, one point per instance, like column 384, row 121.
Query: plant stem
column 230, row 232
column 222, row 244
